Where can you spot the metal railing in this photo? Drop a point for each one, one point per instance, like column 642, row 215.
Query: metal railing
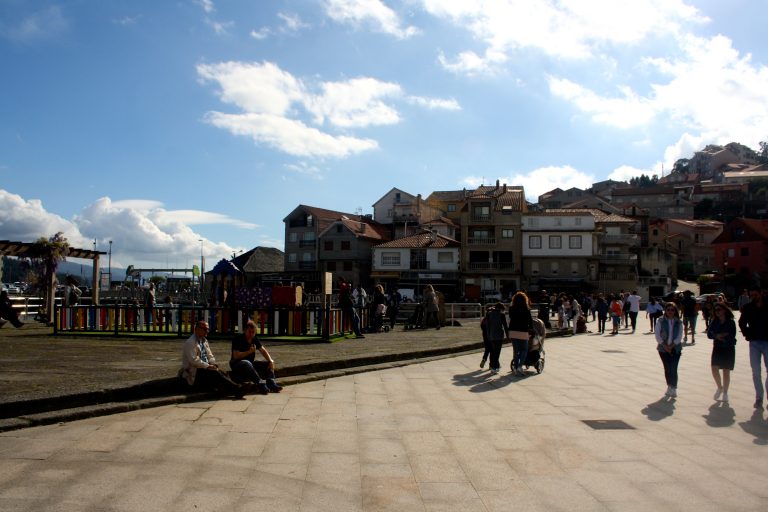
column 491, row 266
column 481, row 241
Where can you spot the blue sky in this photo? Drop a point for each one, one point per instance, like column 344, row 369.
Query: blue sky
column 159, row 124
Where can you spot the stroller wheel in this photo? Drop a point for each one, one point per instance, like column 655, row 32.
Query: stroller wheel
column 540, row 366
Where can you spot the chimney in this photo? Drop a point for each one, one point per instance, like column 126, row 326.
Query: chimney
column 505, row 188
column 497, row 184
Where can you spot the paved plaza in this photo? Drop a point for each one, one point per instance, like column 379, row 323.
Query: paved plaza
column 438, row 435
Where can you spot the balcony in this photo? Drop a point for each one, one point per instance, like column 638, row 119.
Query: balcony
column 308, row 265
column 618, row 276
column 618, row 258
column 489, row 266
column 307, row 243
column 620, row 239
column 480, row 240
column 481, row 217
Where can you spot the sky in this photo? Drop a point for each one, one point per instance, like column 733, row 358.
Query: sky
column 185, row 126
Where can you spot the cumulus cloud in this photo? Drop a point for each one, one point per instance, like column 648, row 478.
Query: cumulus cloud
column 627, row 172
column 539, row 181
column 142, row 231
column 291, row 23
column 568, row 29
column 369, row 12
column 278, row 108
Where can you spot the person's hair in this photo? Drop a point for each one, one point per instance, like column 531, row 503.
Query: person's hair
column 379, row 288
column 673, row 306
column 726, row 308
column 201, row 324
column 250, row 323
column 521, row 299
column 499, row 307
column 429, row 288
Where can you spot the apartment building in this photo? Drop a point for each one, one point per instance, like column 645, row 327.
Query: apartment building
column 417, row 260
column 490, row 240
column 690, row 241
column 344, row 248
column 404, row 213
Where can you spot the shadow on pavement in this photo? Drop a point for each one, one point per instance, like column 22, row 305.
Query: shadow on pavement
column 756, row 426
column 720, row 415
column 660, row 409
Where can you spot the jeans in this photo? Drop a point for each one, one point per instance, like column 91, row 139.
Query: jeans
column 521, row 352
column 215, row 379
column 495, row 354
column 670, row 362
column 758, row 349
column 601, row 324
column 355, row 320
column 633, row 319
column 245, row 371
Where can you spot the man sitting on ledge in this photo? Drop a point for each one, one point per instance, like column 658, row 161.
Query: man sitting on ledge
column 199, row 368
column 244, row 366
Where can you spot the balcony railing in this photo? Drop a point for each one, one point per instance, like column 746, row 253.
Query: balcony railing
column 481, row 241
column 627, row 258
column 308, row 265
column 487, row 266
column 618, row 276
column 307, row 243
column 620, row 239
column 481, row 217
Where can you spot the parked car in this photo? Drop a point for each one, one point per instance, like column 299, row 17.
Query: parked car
column 12, row 289
column 701, row 299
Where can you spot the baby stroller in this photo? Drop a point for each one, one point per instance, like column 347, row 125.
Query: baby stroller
column 378, row 319
column 535, row 356
column 416, row 320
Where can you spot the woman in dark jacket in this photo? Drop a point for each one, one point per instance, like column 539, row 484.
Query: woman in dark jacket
column 520, row 327
column 722, row 331
column 497, row 331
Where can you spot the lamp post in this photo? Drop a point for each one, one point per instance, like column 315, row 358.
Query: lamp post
column 109, row 271
column 200, row 279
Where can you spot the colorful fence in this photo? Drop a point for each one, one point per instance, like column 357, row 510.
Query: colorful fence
column 310, row 321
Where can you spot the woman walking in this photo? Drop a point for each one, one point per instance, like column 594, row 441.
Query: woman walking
column 520, row 327
column 722, row 331
column 669, row 333
column 616, row 312
column 497, row 331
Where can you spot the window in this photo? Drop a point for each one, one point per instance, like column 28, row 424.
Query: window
column 445, row 257
column 655, row 232
column 533, row 222
column 534, row 267
column 558, row 221
column 330, row 266
column 347, row 266
column 731, row 253
column 507, row 233
column 390, row 258
column 577, row 221
column 555, row 242
column 328, row 245
column 307, row 256
column 554, row 267
column 292, row 257
column 481, row 233
column 345, row 245
column 534, row 242
column 481, row 212
column 451, row 207
column 293, row 237
column 309, row 236
column 745, row 251
column 574, row 267
column 574, row 242
column 310, row 221
column 389, row 213
column 397, row 197
column 339, row 228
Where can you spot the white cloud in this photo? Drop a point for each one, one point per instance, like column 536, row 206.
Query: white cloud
column 207, row 5
column 305, row 169
column 220, row 27
column 42, row 25
column 570, row 29
column 627, row 172
column 627, row 111
column 261, row 34
column 434, row 103
column 372, row 12
column 26, row 221
column 142, row 231
column 539, row 181
column 292, row 23
column 278, row 108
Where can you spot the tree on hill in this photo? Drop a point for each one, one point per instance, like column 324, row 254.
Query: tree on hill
column 762, row 155
column 682, row 166
column 644, row 181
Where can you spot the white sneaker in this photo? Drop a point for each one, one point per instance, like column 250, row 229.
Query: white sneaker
column 717, row 394
column 673, row 392
column 725, row 397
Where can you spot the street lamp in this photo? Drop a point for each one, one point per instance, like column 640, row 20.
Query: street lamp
column 202, row 264
column 109, row 273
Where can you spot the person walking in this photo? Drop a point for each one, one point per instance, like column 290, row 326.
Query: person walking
column 743, row 299
column 722, row 332
column 753, row 323
column 669, row 332
column 602, row 307
column 690, row 315
column 486, row 342
column 634, row 308
column 348, row 307
column 616, row 312
column 520, row 327
column 653, row 311
column 431, row 306
column 497, row 329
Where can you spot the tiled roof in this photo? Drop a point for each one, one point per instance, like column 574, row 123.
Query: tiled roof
column 421, row 240
column 513, row 198
column 698, row 223
column 643, row 191
column 599, row 215
column 447, row 195
column 365, row 228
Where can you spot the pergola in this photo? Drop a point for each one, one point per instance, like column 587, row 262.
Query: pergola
column 21, row 249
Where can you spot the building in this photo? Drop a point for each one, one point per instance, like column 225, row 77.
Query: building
column 404, row 213
column 742, row 248
column 344, row 248
column 691, row 242
column 659, row 201
column 417, row 260
column 490, row 240
column 450, row 202
column 559, row 250
column 558, row 198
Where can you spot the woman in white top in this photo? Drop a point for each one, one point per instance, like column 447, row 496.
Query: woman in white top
column 669, row 334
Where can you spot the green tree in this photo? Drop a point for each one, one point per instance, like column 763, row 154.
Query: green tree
column 156, row 280
column 45, row 255
column 762, row 155
column 682, row 166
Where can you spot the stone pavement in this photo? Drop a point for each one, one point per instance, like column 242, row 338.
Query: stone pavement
column 438, row 435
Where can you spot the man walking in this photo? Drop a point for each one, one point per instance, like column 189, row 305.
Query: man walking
column 754, row 326
column 690, row 315
column 634, row 308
